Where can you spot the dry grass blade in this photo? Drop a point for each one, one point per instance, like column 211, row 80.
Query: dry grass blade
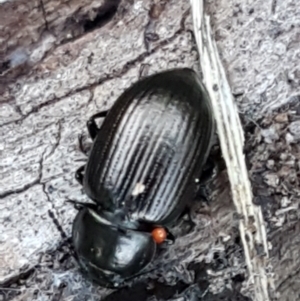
column 251, row 223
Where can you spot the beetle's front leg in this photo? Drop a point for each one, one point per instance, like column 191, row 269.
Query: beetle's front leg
column 91, row 124
column 79, row 174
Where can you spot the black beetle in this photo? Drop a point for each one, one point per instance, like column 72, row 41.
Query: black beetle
column 142, row 171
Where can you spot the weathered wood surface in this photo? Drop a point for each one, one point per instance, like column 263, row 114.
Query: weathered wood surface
column 61, row 61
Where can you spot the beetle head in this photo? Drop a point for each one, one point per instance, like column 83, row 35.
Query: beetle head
column 108, row 254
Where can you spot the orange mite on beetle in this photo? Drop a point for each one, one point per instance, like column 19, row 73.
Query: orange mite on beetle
column 159, row 235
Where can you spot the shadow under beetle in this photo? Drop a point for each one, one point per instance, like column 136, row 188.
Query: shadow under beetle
column 142, row 172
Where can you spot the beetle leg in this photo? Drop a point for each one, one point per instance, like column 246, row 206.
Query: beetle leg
column 170, row 240
column 79, row 205
column 79, row 174
column 208, row 171
column 121, row 230
column 202, row 194
column 81, row 148
column 91, row 124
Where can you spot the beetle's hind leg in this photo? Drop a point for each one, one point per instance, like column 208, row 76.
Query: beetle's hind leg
column 79, row 174
column 91, row 124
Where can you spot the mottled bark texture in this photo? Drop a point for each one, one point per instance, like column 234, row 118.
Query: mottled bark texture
column 62, row 61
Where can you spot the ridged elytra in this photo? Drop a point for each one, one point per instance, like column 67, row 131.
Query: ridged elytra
column 141, row 172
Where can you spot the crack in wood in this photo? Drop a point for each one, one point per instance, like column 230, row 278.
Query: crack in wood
column 123, row 70
column 26, row 186
column 50, row 213
column 56, row 144
column 44, row 14
column 20, row 190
